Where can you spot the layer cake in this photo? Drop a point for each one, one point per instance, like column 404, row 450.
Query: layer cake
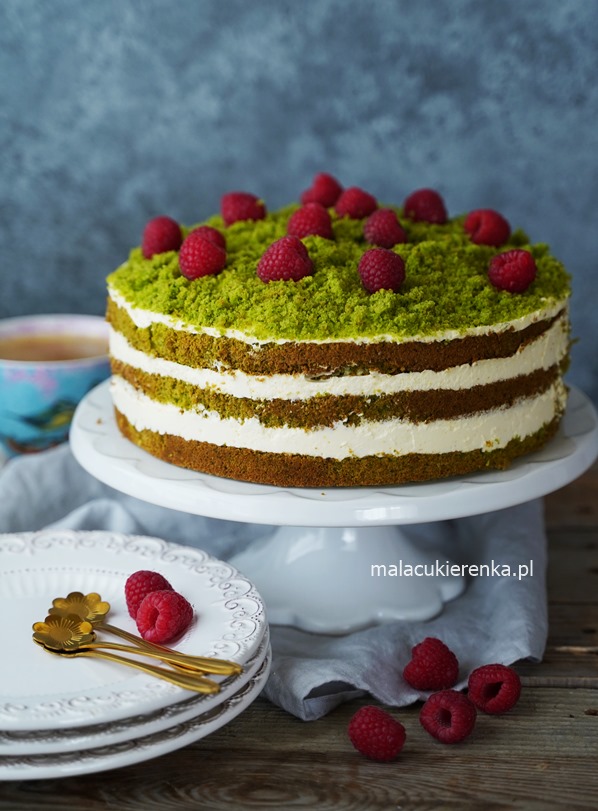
column 319, row 382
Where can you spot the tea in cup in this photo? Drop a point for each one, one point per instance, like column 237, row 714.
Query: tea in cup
column 48, row 363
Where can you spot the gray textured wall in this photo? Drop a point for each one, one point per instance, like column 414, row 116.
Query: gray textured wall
column 114, row 111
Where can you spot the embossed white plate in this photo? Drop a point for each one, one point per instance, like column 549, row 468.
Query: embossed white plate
column 135, row 750
column 39, row 690
column 77, row 739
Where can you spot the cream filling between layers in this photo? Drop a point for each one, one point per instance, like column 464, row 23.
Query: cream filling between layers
column 484, row 431
column 549, row 348
column 145, row 318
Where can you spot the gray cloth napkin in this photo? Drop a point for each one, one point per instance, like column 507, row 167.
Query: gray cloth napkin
column 497, row 619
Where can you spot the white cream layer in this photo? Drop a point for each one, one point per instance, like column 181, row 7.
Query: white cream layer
column 485, row 431
column 549, row 348
column 145, row 318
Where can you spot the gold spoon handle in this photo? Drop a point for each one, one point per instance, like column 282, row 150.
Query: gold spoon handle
column 206, row 664
column 172, row 658
column 188, row 682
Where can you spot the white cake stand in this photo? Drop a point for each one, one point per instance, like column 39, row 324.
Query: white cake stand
column 315, row 571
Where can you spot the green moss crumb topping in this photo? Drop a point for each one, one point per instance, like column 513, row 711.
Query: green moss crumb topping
column 446, row 285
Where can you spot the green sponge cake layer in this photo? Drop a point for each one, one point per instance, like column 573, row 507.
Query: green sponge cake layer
column 319, row 382
column 446, row 290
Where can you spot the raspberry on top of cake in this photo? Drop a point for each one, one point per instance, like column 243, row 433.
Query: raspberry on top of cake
column 339, row 341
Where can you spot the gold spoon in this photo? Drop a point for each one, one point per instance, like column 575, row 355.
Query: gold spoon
column 71, row 636
column 176, row 677
column 54, row 633
column 93, row 609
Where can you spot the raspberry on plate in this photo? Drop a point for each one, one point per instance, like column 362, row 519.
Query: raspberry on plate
column 381, row 269
column 449, row 716
column 163, row 616
column 241, row 205
column 312, row 219
column 200, row 256
column 211, row 234
column 355, row 203
column 286, row 259
column 376, row 734
column 425, row 205
column 382, row 228
column 494, row 689
column 325, row 190
column 487, row 227
column 512, row 271
column 160, row 235
column 139, row 584
column 433, row 666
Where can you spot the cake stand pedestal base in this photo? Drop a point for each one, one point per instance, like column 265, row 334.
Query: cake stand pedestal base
column 336, row 580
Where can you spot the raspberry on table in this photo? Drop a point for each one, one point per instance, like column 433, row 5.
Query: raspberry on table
column 494, row 689
column 433, row 666
column 382, row 228
column 160, row 235
column 241, row 205
column 141, row 583
column 355, row 203
column 163, row 616
column 449, row 716
column 376, row 734
column 425, row 205
column 381, row 269
column 312, row 219
column 487, row 227
column 212, row 235
column 200, row 256
column 325, row 190
column 512, row 271
column 286, row 259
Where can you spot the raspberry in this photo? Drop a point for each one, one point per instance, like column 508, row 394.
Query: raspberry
column 311, row 219
column 513, row 271
column 160, row 235
column 200, row 256
column 163, row 616
column 376, row 734
column 141, row 583
column 383, row 228
column 324, row 190
column 355, row 203
column 449, row 716
column 285, row 259
column 425, row 205
column 487, row 227
column 241, row 205
column 433, row 666
column 494, row 689
column 212, row 235
column 381, row 269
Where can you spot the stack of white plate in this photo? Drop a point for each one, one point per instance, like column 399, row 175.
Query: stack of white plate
column 62, row 717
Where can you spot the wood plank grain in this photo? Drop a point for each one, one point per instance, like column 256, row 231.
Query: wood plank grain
column 573, row 624
column 575, row 505
column 267, row 759
column 572, row 575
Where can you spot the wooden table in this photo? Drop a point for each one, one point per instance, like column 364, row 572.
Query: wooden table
column 542, row 755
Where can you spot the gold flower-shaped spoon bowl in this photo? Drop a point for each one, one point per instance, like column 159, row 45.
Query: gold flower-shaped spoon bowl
column 63, row 633
column 89, row 607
